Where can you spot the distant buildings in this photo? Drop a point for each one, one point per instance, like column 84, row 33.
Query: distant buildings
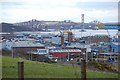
column 63, row 39
column 7, row 36
column 56, row 40
column 60, row 45
column 68, row 36
column 96, row 39
column 111, row 27
column 115, row 47
column 7, row 45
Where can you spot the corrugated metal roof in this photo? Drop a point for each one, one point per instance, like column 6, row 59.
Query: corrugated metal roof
column 66, row 50
column 27, row 44
column 78, row 45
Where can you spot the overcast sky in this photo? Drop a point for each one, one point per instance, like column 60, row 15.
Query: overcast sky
column 12, row 11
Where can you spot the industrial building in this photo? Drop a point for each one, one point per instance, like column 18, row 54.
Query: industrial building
column 63, row 39
column 115, row 47
column 25, row 47
column 64, row 54
column 68, row 36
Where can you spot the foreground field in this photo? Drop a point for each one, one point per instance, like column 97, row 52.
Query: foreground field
column 34, row 69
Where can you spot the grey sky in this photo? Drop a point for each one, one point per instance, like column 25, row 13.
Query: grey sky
column 23, row 10
column 98, row 5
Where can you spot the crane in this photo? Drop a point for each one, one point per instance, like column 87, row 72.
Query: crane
column 100, row 26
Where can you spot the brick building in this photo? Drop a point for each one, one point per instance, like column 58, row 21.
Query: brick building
column 96, row 39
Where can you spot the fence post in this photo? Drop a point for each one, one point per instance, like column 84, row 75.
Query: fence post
column 83, row 69
column 20, row 70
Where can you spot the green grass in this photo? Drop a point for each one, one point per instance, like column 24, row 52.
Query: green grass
column 34, row 69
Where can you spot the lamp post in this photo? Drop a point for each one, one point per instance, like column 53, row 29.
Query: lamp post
column 86, row 57
column 12, row 52
column 68, row 56
column 13, row 49
column 83, row 69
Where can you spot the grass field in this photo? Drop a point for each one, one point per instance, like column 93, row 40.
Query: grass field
column 34, row 69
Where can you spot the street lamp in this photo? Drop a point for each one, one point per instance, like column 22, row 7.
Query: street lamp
column 13, row 49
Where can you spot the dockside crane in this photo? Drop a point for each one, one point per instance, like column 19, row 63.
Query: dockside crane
column 101, row 26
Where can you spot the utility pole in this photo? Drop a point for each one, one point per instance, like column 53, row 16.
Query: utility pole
column 20, row 70
column 83, row 69
column 86, row 56
column 13, row 50
column 68, row 56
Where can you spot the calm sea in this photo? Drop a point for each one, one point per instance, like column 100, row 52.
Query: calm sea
column 77, row 32
column 90, row 32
